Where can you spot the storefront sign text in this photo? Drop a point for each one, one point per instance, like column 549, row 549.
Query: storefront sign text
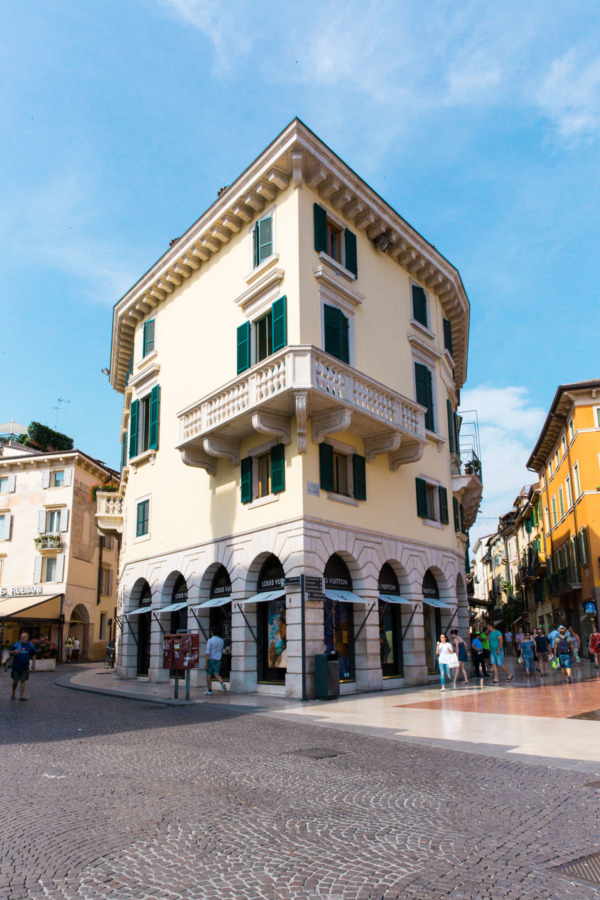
column 21, row 590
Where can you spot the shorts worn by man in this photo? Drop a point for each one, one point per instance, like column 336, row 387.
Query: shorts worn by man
column 22, row 653
column 214, row 652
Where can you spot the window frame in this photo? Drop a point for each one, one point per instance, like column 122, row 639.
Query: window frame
column 349, row 454
column 440, row 511
column 421, row 361
column 577, row 480
column 53, row 476
column 253, row 231
column 146, row 341
column 415, row 286
column 348, row 257
column 142, row 536
column 255, row 455
column 349, row 317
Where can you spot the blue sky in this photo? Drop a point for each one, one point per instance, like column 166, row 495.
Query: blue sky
column 478, row 122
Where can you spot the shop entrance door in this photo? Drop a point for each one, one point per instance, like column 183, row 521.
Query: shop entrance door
column 144, row 633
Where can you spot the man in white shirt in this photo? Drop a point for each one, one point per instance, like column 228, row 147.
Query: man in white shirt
column 75, row 652
column 214, row 652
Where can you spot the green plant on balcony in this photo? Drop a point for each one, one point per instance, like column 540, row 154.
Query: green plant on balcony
column 109, row 488
column 47, row 541
column 473, row 467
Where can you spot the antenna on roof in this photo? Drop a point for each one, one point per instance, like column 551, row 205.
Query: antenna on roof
column 58, row 409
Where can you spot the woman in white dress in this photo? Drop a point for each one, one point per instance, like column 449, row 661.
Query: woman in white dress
column 444, row 652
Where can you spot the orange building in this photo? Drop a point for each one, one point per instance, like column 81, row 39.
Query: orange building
column 567, row 460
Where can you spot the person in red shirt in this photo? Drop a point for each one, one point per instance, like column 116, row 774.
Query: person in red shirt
column 594, row 645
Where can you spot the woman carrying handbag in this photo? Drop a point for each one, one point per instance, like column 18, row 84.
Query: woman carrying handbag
column 462, row 655
column 447, row 659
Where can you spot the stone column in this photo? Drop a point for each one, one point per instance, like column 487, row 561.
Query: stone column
column 127, row 657
column 244, row 674
column 413, row 645
column 367, row 657
column 156, row 673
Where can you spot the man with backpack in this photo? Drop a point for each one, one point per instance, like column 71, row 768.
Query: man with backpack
column 22, row 652
column 564, row 652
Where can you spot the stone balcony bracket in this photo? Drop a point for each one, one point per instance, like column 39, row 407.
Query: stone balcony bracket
column 468, row 490
column 109, row 513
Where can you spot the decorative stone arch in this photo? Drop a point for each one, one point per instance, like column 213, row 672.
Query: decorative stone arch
column 463, row 606
column 79, row 627
column 255, row 568
column 140, row 587
column 166, row 591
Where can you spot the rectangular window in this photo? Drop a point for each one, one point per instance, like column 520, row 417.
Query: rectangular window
column 267, row 471
column 332, row 238
column 563, row 444
column 342, row 473
column 419, row 305
column 426, row 494
column 571, row 429
column 569, row 492
column 554, row 512
column 561, row 501
column 107, row 541
column 106, row 581
column 263, row 464
column 577, row 482
column 262, row 237
column 142, row 518
column 144, row 421
column 260, row 339
column 50, row 568
column 7, row 484
column 424, row 393
column 448, row 336
column 336, row 333
column 3, row 527
column 584, row 553
column 597, row 417
column 149, row 329
column 264, row 337
column 53, row 521
column 58, row 479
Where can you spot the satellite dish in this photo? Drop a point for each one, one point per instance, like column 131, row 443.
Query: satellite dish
column 12, row 428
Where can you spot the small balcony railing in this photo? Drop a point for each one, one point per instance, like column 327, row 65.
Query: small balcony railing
column 47, row 543
column 109, row 513
column 565, row 580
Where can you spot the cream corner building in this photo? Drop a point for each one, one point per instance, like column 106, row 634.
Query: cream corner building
column 291, row 370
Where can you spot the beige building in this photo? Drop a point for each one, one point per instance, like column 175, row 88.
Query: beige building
column 57, row 576
column 291, row 370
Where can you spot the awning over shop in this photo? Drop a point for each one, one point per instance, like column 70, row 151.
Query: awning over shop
column 344, row 597
column 263, row 597
column 39, row 607
column 441, row 604
column 210, row 604
column 395, row 598
column 138, row 611
column 172, row 607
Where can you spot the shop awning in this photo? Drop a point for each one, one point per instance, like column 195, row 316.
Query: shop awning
column 263, row 597
column 441, row 604
column 173, row 607
column 38, row 607
column 137, row 612
column 209, row 604
column 395, row 598
column 344, row 597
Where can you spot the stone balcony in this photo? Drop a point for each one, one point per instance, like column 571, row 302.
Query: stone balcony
column 109, row 513
column 301, row 382
column 48, row 544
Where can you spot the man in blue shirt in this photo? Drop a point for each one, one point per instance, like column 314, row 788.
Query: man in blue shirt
column 22, row 652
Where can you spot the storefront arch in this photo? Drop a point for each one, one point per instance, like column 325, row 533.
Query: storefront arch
column 142, row 626
column 432, row 619
column 220, row 615
column 338, row 617
column 271, row 622
column 390, row 623
column 79, row 628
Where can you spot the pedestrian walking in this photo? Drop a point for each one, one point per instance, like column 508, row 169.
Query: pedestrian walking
column 528, row 653
column 552, row 635
column 69, row 649
column 485, row 643
column 563, row 650
column 75, row 653
column 214, row 653
column 594, row 646
column 460, row 648
column 519, row 637
column 446, row 659
column 508, row 641
column 541, row 649
column 497, row 654
column 576, row 645
column 22, row 652
column 477, row 656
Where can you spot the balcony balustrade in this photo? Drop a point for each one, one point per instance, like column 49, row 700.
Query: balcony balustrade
column 565, row 580
column 467, row 486
column 47, row 544
column 109, row 513
column 302, row 382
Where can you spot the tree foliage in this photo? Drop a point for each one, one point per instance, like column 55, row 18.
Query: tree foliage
column 43, row 438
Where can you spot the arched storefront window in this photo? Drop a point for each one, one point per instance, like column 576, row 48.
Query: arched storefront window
column 432, row 619
column 338, row 617
column 220, row 616
column 390, row 623
column 144, row 631
column 179, row 617
column 272, row 629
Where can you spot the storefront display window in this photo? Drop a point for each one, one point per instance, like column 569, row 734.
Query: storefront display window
column 144, row 632
column 390, row 625
column 272, row 628
column 432, row 621
column 338, row 618
column 179, row 617
column 220, row 617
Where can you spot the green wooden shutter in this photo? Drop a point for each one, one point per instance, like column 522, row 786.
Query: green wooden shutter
column 584, row 547
column 279, row 324
column 130, row 369
column 345, row 342
column 277, row 469
column 456, row 514
column 462, row 518
column 422, row 498
column 424, row 392
column 124, row 451
column 457, row 433
column 154, row 416
column 149, row 331
column 443, row 494
column 333, row 337
column 448, row 336
column 351, row 257
column 419, row 305
column 450, row 415
column 255, row 245
column 320, row 220
column 360, row 477
column 326, row 476
column 133, row 429
column 243, row 347
column 246, row 481
column 528, row 526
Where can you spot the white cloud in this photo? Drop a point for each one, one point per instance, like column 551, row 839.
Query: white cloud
column 509, row 425
column 570, row 92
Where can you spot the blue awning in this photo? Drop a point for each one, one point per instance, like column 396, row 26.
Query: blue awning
column 396, row 598
column 263, row 597
column 138, row 611
column 209, row 604
column 441, row 604
column 173, row 607
column 344, row 596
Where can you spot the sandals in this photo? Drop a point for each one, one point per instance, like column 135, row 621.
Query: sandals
column 509, row 679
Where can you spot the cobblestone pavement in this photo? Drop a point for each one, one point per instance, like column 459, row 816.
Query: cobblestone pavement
column 110, row 799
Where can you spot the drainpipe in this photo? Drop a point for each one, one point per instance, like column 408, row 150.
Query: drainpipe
column 577, row 553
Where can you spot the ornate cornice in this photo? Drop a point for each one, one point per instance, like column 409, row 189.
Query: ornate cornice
column 295, row 157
